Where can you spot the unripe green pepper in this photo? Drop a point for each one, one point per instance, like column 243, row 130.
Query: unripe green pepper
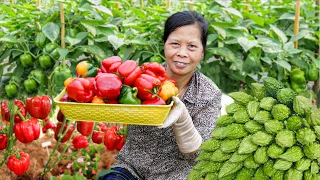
column 40, row 78
column 60, row 74
column 72, row 32
column 50, row 47
column 40, row 40
column 45, row 61
column 156, row 59
column 26, row 60
column 298, row 81
column 128, row 95
column 313, row 72
column 30, row 85
column 11, row 90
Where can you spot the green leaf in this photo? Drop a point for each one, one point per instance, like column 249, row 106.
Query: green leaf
column 104, row 10
column 298, row 36
column 79, row 37
column 272, row 49
column 211, row 38
column 63, row 52
column 95, row 50
column 128, row 52
column 220, row 31
column 91, row 29
column 267, row 60
column 283, row 64
column 138, row 12
column 280, row 34
column 256, row 19
column 247, row 44
column 115, row 41
column 289, row 47
column 287, row 16
column 234, row 12
column 9, row 38
column 51, row 30
column 53, row 178
column 9, row 11
column 138, row 41
column 223, row 51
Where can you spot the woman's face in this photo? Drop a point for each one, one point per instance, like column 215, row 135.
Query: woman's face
column 183, row 50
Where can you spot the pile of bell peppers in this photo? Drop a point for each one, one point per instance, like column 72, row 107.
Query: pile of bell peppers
column 121, row 82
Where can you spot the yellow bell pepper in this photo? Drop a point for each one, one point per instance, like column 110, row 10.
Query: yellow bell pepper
column 168, row 89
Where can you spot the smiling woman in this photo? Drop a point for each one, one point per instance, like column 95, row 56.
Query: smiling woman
column 169, row 151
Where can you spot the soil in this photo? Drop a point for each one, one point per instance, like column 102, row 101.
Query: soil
column 39, row 157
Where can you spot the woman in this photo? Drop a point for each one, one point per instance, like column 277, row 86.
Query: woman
column 169, row 152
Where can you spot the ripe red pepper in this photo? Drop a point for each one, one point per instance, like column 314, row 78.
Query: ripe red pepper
column 67, row 136
column 49, row 125
column 80, row 142
column 112, row 101
column 147, row 86
column 60, row 115
column 27, row 131
column 112, row 140
column 5, row 112
column 97, row 137
column 102, row 126
column 39, row 106
column 155, row 101
column 81, row 90
column 154, row 69
column 85, row 128
column 129, row 71
column 19, row 164
column 110, row 65
column 107, row 86
column 3, row 141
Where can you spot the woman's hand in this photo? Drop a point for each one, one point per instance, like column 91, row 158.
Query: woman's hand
column 187, row 136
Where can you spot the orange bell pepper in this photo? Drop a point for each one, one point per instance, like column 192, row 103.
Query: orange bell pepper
column 168, row 89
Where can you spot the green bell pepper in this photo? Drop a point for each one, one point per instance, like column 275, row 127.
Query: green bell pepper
column 11, row 90
column 30, row 85
column 45, row 61
column 40, row 78
column 156, row 59
column 298, row 81
column 40, row 40
column 60, row 74
column 50, row 47
column 72, row 32
column 26, row 60
column 313, row 72
column 128, row 95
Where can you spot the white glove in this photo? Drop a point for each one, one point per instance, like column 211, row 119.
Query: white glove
column 187, row 136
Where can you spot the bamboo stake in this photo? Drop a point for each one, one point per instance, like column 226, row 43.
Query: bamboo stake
column 168, row 4
column 63, row 44
column 38, row 3
column 12, row 1
column 316, row 86
column 247, row 5
column 117, row 4
column 191, row 6
column 296, row 22
column 142, row 3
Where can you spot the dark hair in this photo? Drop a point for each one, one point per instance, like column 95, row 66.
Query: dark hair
column 183, row 18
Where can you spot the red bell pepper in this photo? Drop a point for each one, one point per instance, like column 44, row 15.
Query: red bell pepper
column 3, row 141
column 97, row 137
column 27, row 131
column 112, row 101
column 129, row 71
column 102, row 126
column 39, row 106
column 49, row 125
column 80, row 142
column 112, row 140
column 60, row 115
column 19, row 164
column 107, row 86
column 5, row 112
column 68, row 134
column 154, row 69
column 81, row 90
column 148, row 86
column 110, row 65
column 85, row 128
column 155, row 101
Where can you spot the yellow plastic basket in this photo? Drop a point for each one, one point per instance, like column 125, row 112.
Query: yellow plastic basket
column 152, row 115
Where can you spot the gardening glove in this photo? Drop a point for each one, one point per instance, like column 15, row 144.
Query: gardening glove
column 187, row 136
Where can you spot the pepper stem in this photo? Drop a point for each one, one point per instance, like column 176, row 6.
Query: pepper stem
column 135, row 92
column 21, row 116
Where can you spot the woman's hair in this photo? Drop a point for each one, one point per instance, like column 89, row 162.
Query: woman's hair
column 183, row 18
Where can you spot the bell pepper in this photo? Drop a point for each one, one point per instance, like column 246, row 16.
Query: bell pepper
column 3, row 141
column 85, row 69
column 85, row 128
column 110, row 65
column 97, row 137
column 50, row 47
column 112, row 101
column 298, row 80
column 39, row 76
column 168, row 89
column 5, row 112
column 148, row 86
column 72, row 32
column 312, row 72
column 102, row 126
column 80, row 142
column 30, row 85
column 11, row 90
column 129, row 71
column 68, row 134
column 112, row 140
column 60, row 74
column 27, row 131
column 60, row 115
column 40, row 39
column 19, row 163
column 45, row 61
column 26, row 60
column 155, row 101
column 128, row 95
column 49, row 125
column 107, row 86
column 68, row 81
column 97, row 100
column 39, row 106
column 154, row 69
column 81, row 90
column 156, row 59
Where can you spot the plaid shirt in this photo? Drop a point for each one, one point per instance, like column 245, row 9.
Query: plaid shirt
column 152, row 153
